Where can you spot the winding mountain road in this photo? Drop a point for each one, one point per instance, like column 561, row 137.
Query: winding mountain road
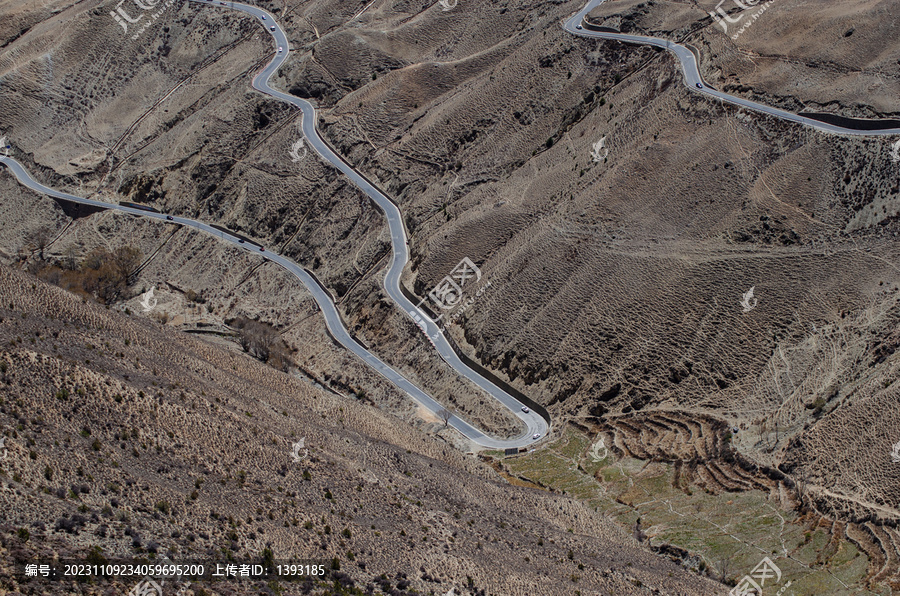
column 535, row 426
column 577, row 25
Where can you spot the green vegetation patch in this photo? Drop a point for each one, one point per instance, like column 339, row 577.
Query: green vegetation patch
column 729, row 534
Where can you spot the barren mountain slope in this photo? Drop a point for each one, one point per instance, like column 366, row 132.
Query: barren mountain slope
column 187, row 446
column 195, row 140
column 620, row 218
column 838, row 57
column 579, row 253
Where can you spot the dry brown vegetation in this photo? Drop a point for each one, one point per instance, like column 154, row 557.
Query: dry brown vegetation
column 838, row 58
column 615, row 285
column 127, row 435
column 262, row 341
column 102, row 275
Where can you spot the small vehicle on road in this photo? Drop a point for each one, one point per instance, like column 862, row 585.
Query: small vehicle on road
column 699, row 85
column 525, row 409
column 170, row 218
column 263, row 17
column 536, row 436
column 578, row 26
column 272, row 27
column 261, row 249
column 240, row 240
column 280, row 49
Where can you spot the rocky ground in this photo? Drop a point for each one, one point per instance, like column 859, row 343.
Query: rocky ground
column 617, row 272
column 124, row 434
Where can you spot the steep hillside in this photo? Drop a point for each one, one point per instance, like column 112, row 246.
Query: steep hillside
column 123, row 434
column 620, row 219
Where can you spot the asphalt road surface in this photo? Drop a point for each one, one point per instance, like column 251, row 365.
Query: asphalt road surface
column 534, row 424
column 692, row 76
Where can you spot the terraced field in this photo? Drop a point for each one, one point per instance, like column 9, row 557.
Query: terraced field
column 679, row 487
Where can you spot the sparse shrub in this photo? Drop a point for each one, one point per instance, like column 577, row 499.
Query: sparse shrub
column 102, row 274
column 262, row 341
column 70, row 525
column 95, row 556
column 268, row 558
column 817, row 406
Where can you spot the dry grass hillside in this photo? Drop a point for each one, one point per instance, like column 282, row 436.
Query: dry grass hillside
column 839, row 58
column 124, row 434
column 616, row 281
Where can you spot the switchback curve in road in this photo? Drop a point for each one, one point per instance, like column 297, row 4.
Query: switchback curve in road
column 320, row 295
column 534, row 424
column 692, row 77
